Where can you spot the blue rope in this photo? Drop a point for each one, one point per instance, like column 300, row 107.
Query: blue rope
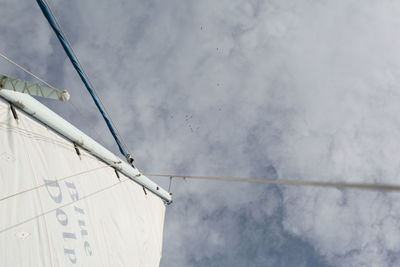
column 47, row 13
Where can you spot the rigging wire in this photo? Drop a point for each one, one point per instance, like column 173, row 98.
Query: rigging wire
column 170, row 182
column 53, row 182
column 83, row 70
column 28, row 72
column 56, row 89
column 50, row 16
column 378, row 187
column 63, row 206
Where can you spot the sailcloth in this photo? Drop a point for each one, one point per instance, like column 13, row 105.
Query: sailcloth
column 58, row 208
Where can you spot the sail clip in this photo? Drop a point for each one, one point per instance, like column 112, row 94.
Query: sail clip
column 14, row 112
column 116, row 172
column 78, row 152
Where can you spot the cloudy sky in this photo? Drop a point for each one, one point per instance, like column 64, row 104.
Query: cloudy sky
column 276, row 88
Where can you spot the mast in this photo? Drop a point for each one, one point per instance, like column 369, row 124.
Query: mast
column 82, row 74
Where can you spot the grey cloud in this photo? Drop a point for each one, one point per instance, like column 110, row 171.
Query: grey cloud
column 295, row 90
column 25, row 37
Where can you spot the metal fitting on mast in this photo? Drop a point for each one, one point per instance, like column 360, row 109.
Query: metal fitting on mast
column 130, row 160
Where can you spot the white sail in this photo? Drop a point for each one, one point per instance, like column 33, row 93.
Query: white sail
column 61, row 209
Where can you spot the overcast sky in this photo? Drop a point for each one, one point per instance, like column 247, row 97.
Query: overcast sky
column 276, row 89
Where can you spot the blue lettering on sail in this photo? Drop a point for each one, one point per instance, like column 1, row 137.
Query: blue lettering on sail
column 55, row 193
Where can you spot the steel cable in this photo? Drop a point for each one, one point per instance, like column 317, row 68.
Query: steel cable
column 380, row 187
